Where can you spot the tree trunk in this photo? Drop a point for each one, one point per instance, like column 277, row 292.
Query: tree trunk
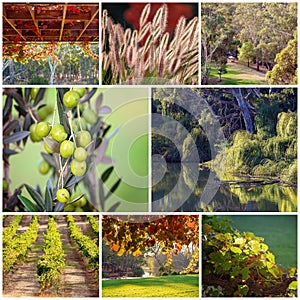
column 237, row 92
column 52, row 66
column 11, row 71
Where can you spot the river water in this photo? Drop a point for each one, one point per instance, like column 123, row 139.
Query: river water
column 183, row 188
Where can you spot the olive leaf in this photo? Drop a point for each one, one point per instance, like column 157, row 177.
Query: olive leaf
column 39, row 96
column 49, row 195
column 61, row 111
column 99, row 102
column 38, row 199
column 106, row 174
column 16, row 137
column 52, row 144
column 114, row 207
column 11, row 126
column 7, row 109
column 113, row 189
column 28, row 204
column 88, row 96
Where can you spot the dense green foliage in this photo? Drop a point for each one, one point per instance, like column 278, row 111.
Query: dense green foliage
column 18, row 245
column 51, row 264
column 285, row 71
column 263, row 153
column 94, row 224
column 10, row 231
column 240, row 264
column 87, row 247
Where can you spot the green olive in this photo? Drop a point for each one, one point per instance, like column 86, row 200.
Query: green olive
column 79, row 91
column 44, row 167
column 33, row 136
column 80, row 154
column 83, row 138
column 90, row 116
column 42, row 129
column 34, row 92
column 63, row 195
column 58, row 133
column 66, row 149
column 71, row 99
column 78, row 168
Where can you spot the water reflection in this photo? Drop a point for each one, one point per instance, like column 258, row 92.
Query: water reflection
column 185, row 190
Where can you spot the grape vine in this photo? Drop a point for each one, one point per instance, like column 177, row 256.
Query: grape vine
column 52, row 262
column 17, row 247
column 87, row 246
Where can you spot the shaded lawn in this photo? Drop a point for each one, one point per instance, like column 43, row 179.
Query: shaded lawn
column 165, row 286
column 279, row 233
column 238, row 74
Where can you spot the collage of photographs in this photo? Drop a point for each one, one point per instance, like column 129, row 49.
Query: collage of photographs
column 149, row 149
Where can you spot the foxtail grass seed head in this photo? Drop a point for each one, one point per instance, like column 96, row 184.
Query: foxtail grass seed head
column 143, row 31
column 145, row 14
column 131, row 59
column 104, row 19
column 127, row 36
column 157, row 17
column 131, row 56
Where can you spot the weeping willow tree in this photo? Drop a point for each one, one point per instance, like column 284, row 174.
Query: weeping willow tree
column 263, row 154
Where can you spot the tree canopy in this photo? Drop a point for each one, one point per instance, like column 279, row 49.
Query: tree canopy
column 269, row 27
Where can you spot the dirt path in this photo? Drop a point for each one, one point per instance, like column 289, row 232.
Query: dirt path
column 23, row 282
column 77, row 281
column 247, row 73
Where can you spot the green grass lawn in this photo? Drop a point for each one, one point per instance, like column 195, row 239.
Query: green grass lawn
column 238, row 74
column 279, row 233
column 166, row 286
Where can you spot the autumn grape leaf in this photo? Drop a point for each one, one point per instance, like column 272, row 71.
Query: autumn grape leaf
column 115, row 247
column 137, row 252
column 121, row 252
column 190, row 224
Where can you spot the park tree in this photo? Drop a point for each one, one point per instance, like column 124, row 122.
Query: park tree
column 246, row 53
column 214, row 33
column 286, row 69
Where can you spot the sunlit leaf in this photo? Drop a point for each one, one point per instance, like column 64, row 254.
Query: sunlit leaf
column 293, row 285
column 236, row 250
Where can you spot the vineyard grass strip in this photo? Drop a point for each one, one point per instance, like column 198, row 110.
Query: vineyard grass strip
column 52, row 262
column 18, row 246
column 87, row 247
